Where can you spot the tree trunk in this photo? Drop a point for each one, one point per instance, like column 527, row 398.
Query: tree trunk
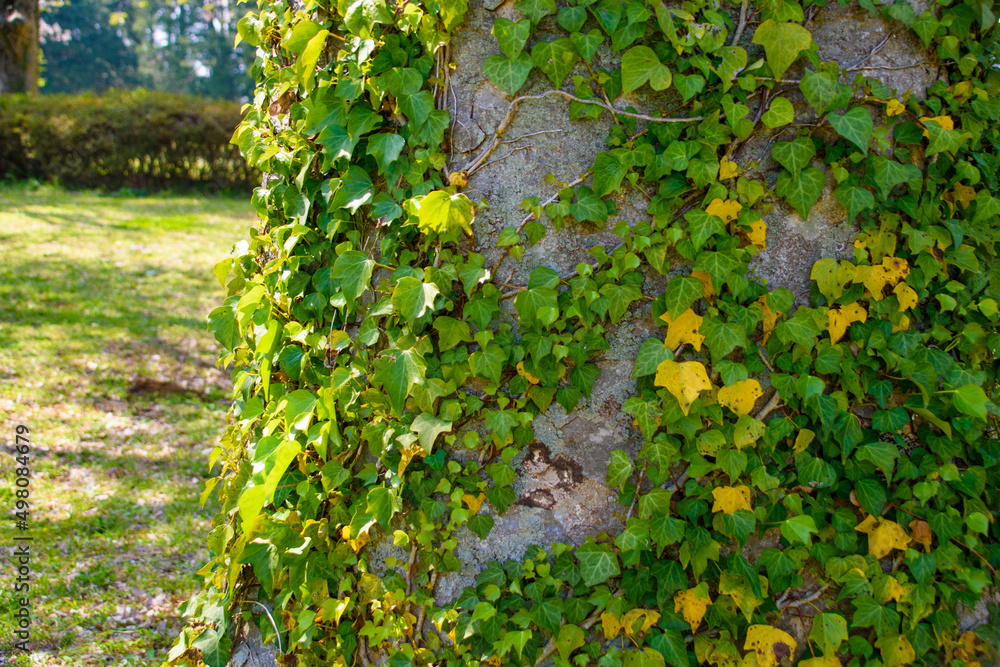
column 19, row 46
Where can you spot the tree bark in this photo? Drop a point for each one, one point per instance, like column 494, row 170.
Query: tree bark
column 18, row 46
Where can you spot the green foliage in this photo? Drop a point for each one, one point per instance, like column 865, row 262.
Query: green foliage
column 134, row 139
column 370, row 352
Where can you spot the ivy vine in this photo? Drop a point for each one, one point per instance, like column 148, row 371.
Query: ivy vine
column 379, row 394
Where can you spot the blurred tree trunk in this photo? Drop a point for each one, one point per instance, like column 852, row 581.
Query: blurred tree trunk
column 18, row 46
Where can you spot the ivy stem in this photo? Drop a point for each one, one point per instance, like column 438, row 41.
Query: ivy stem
column 769, row 407
column 742, row 25
column 638, row 487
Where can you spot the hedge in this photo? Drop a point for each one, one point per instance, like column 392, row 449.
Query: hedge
column 134, row 138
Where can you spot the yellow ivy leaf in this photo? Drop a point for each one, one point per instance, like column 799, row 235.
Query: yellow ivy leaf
column 883, row 536
column 685, row 380
column 474, row 502
column 945, row 122
column 823, row 661
column 758, row 234
column 683, row 330
column 907, row 296
column 964, row 194
column 893, row 591
column 875, row 278
column 896, row 651
column 648, row 616
column 836, row 323
column 854, row 312
column 692, row 605
column 459, row 178
column 740, row 396
column 902, row 325
column 357, row 543
column 707, row 290
column 525, row 374
column 612, row 626
column 894, row 108
column 770, row 318
column 803, row 440
column 770, row 644
column 743, row 596
column 728, row 209
column 729, row 499
column 728, row 169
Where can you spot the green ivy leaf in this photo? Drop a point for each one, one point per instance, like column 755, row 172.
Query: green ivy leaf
column 353, row 270
column 829, row 631
column 889, row 173
column 535, row 10
column 571, row 637
column 444, row 213
column 508, row 73
column 651, row 353
column 703, row 226
column 556, row 59
column 608, row 174
column 942, row 139
column 588, row 207
column 598, row 562
column 871, row 495
column 856, row 126
column 398, row 377
column 854, row 200
column 586, row 44
column 794, row 155
column 412, row 298
column 716, row 264
column 512, row 36
column 870, row 614
column 354, row 190
column 639, row 65
column 671, row 646
column 382, row 504
column 801, row 190
column 385, row 147
column 451, row 332
column 779, row 113
column 571, row 19
column 646, row 413
column 619, row 469
column 428, row 428
column 782, row 42
column 680, row 293
column 798, row 529
column 971, row 400
column 481, row 525
column 362, row 15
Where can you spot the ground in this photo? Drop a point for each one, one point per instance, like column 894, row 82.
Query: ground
column 105, row 358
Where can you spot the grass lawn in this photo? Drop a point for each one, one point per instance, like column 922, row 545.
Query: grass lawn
column 105, row 358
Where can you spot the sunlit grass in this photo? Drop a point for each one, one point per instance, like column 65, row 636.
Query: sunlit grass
column 97, row 292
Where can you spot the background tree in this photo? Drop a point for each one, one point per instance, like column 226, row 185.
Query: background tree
column 18, row 46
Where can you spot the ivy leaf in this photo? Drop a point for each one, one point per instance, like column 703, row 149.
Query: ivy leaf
column 798, row 529
column 556, row 59
column 971, row 400
column 723, row 337
column 770, row 644
column 871, row 495
column 716, row 264
column 740, row 397
column 535, row 10
column 588, row 207
column 829, row 631
column 353, row 269
column 729, row 499
column 512, row 36
column 537, row 304
column 385, row 147
column 362, row 15
column 508, row 73
column 870, row 614
column 703, row 227
column 801, row 191
column 354, row 190
column 794, row 155
column 889, row 173
column 854, row 200
column 639, row 65
column 489, row 362
column 214, row 647
column 646, row 413
column 619, row 469
column 671, row 646
column 608, row 174
column 412, row 297
column 481, row 525
column 856, row 126
column 399, row 377
column 444, row 213
column 823, row 91
column 598, row 562
column 571, row 19
column 883, row 536
column 650, row 354
column 897, row 651
column 680, row 293
column 685, row 380
column 586, row 44
column 779, row 113
column 428, row 428
column 943, row 138
column 782, row 42
column 451, row 332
